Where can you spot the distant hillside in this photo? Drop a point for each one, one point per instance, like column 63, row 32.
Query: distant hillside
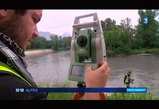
column 48, row 34
column 45, row 34
column 65, row 34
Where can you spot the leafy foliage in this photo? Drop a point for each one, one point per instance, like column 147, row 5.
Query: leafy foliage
column 124, row 38
column 148, row 33
column 56, row 43
column 120, row 39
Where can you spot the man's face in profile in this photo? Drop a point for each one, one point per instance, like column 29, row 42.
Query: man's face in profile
column 21, row 28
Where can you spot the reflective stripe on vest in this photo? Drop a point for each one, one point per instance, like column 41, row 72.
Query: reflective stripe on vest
column 127, row 79
column 3, row 67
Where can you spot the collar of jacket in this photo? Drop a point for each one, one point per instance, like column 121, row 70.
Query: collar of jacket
column 11, row 44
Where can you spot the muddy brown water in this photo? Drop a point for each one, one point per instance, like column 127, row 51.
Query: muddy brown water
column 53, row 67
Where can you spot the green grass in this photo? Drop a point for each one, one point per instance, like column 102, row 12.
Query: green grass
column 60, row 96
column 112, row 96
column 131, row 96
column 134, row 51
column 145, row 50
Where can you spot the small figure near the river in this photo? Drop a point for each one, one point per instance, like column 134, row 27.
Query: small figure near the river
column 128, row 80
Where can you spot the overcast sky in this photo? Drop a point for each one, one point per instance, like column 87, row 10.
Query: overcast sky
column 61, row 21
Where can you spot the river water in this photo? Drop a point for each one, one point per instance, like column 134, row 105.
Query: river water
column 53, row 67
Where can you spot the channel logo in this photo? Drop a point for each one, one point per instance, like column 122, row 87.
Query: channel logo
column 145, row 20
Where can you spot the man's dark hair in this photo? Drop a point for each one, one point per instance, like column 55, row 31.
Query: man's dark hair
column 20, row 12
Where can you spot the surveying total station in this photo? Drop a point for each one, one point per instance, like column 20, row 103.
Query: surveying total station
column 87, row 47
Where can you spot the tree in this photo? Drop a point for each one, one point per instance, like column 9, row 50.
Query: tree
column 108, row 24
column 66, row 42
column 60, row 42
column 118, row 38
column 126, row 27
column 54, row 39
column 38, row 43
column 147, row 33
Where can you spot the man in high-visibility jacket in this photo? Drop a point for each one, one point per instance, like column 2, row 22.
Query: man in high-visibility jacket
column 17, row 30
column 127, row 79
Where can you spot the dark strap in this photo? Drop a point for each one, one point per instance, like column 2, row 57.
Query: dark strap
column 15, row 63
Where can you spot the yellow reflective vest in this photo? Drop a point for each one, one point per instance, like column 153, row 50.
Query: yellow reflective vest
column 127, row 79
column 4, row 67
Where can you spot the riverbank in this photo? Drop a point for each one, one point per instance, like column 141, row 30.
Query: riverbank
column 134, row 51
column 37, row 52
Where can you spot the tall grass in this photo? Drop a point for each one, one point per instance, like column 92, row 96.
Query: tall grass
column 109, row 96
column 114, row 96
column 59, row 95
column 131, row 96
